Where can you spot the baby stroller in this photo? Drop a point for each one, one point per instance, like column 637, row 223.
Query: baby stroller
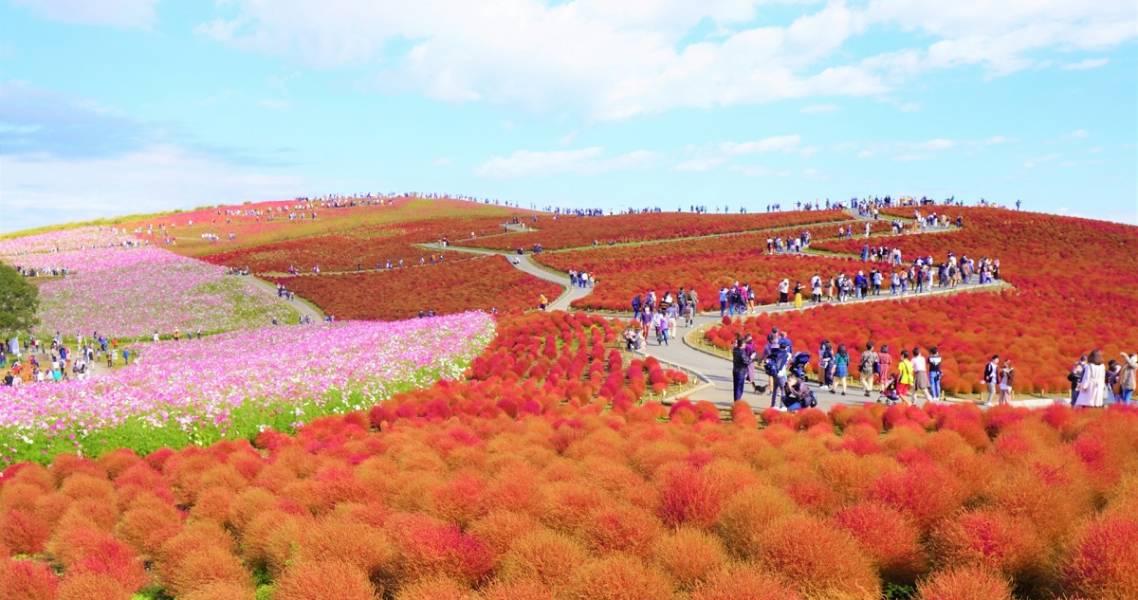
column 889, row 395
column 798, row 365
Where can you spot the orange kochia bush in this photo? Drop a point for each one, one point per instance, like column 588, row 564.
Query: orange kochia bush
column 481, row 283
column 1075, row 288
column 565, row 231
column 447, row 494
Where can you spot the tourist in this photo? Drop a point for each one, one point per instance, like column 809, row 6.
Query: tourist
column 935, row 373
column 752, row 353
column 798, row 295
column 542, row 301
column 1126, row 378
column 842, row 367
column 1007, row 381
column 884, row 366
column 1075, row 375
column 783, row 291
column 693, row 306
column 867, row 367
column 826, row 364
column 920, row 376
column 992, row 378
column 1113, row 370
column 722, row 301
column 739, row 365
column 1092, row 385
column 904, row 375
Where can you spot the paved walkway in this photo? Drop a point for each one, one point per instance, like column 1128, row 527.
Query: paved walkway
column 301, row 305
column 686, row 353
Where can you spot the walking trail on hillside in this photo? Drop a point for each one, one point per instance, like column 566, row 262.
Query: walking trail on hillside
column 688, row 352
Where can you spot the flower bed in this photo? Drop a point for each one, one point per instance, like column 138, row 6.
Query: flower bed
column 574, row 232
column 232, row 385
column 1076, row 286
column 481, row 283
column 78, row 238
column 267, row 223
column 136, row 291
column 455, row 497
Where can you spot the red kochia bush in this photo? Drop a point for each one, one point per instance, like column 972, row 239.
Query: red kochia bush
column 965, row 583
column 27, row 580
column 89, row 586
column 818, row 559
column 1102, row 561
column 618, row 577
column 888, row 538
column 324, row 580
column 745, row 582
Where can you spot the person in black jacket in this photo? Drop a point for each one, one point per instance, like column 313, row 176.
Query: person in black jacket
column 740, row 361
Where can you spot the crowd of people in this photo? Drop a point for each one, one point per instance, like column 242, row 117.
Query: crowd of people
column 662, row 315
column 28, row 360
column 1095, row 383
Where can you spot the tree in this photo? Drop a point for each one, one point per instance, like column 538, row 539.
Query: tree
column 19, row 300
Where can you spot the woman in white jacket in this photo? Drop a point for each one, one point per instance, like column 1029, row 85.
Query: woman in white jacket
column 1092, row 386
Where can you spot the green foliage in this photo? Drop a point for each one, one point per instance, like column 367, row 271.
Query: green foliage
column 19, row 300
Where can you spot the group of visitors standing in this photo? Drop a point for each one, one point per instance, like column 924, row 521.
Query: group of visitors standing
column 664, row 314
column 31, row 361
column 1096, row 384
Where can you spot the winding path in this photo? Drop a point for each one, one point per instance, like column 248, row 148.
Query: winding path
column 708, row 366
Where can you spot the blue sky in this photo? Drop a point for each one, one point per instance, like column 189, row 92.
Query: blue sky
column 125, row 106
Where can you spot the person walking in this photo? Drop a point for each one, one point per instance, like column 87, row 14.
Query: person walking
column 1092, row 385
column 866, row 368
column 1126, row 377
column 739, row 364
column 992, row 378
column 542, row 301
column 1007, row 381
column 904, row 375
column 842, row 367
column 798, row 300
column 935, row 360
column 920, row 376
column 693, row 306
column 884, row 366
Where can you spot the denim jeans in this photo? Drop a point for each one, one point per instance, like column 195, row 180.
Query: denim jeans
column 934, row 384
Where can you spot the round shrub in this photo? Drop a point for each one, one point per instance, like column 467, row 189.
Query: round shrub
column 323, row 580
column 965, row 583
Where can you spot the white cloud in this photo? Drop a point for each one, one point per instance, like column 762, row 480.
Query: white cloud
column 617, row 60
column 936, row 144
column 124, row 14
column 701, row 164
column 1031, row 163
column 1086, row 65
column 585, row 161
column 814, row 109
column 149, row 179
column 1079, row 134
column 759, row 171
column 778, row 143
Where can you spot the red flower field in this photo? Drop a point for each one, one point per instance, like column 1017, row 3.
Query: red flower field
column 574, row 232
column 537, row 477
column 1076, row 287
column 486, row 282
